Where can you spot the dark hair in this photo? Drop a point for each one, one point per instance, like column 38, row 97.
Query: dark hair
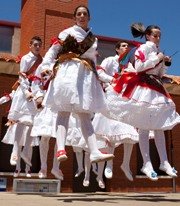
column 139, row 30
column 37, row 38
column 75, row 11
column 118, row 44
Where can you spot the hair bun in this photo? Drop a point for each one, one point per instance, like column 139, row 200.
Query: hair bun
column 137, row 30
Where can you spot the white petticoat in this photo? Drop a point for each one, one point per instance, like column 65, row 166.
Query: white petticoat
column 114, row 131
column 21, row 109
column 146, row 109
column 10, row 136
column 74, row 135
column 45, row 123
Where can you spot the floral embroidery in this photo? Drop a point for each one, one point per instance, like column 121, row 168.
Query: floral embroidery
column 141, row 56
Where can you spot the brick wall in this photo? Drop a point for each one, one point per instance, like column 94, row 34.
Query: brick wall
column 6, row 82
column 176, row 143
column 45, row 18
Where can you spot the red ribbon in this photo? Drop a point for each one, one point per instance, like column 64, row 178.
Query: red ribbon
column 34, row 78
column 7, row 95
column 132, row 80
column 46, row 85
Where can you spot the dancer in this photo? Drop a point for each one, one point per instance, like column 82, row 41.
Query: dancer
column 16, row 130
column 99, row 173
column 18, row 164
column 97, row 169
column 45, row 126
column 44, row 148
column 113, row 131
column 139, row 98
column 76, row 87
column 79, row 158
column 76, row 140
column 23, row 109
column 45, row 122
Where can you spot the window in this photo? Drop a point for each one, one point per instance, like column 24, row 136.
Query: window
column 6, row 34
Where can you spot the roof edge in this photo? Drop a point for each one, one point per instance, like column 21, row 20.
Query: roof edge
column 10, row 23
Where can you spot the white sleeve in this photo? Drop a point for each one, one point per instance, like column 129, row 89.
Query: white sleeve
column 53, row 51
column 24, row 84
column 144, row 59
column 38, row 84
column 103, row 76
column 50, row 56
column 7, row 98
column 4, row 99
column 24, row 65
column 37, row 89
column 163, row 71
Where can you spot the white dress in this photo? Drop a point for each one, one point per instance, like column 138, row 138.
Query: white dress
column 45, row 120
column 45, row 123
column 113, row 131
column 23, row 110
column 10, row 136
column 142, row 107
column 76, row 139
column 74, row 134
column 75, row 87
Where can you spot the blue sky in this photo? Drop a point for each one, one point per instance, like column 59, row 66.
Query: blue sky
column 113, row 18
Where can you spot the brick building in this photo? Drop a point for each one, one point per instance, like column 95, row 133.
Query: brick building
column 46, row 18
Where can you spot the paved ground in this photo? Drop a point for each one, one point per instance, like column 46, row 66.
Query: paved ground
column 90, row 199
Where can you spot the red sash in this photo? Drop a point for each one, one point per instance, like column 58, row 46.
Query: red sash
column 31, row 70
column 132, row 80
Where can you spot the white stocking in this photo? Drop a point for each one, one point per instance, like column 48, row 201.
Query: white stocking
column 56, row 163
column 87, row 166
column 30, row 157
column 62, row 122
column 79, row 158
column 18, row 136
column 28, row 142
column 127, row 155
column 109, row 163
column 100, row 170
column 88, row 133
column 18, row 164
column 161, row 147
column 144, row 148
column 43, row 149
column 94, row 167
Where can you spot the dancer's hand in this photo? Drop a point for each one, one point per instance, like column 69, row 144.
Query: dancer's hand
column 161, row 56
column 29, row 96
column 46, row 74
column 38, row 102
